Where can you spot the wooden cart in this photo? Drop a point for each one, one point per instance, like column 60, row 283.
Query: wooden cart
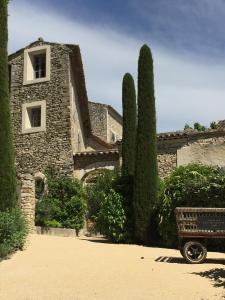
column 195, row 226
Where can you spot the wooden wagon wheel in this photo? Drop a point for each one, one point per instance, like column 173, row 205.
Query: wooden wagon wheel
column 194, row 252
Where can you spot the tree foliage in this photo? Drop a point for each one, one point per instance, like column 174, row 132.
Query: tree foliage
column 129, row 125
column 111, row 218
column 146, row 177
column 63, row 206
column 7, row 170
column 189, row 186
column 13, row 232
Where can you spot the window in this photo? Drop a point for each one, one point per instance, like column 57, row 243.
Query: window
column 39, row 65
column 113, row 137
column 34, row 117
column 36, row 64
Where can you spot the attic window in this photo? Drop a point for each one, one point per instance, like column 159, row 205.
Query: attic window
column 36, row 64
column 39, row 65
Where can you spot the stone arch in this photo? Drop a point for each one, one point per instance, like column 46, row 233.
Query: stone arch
column 91, row 171
column 91, row 177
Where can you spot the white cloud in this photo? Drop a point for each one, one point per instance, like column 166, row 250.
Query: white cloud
column 186, row 90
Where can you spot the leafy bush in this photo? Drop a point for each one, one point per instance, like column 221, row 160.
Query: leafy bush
column 111, row 218
column 189, row 186
column 124, row 185
column 107, row 207
column 13, row 232
column 96, row 192
column 63, row 206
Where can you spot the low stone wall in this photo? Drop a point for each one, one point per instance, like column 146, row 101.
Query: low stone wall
column 67, row 232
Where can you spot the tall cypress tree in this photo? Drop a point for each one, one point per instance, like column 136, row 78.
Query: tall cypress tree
column 129, row 125
column 146, row 173
column 7, row 171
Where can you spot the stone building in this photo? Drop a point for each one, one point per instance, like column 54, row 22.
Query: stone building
column 184, row 147
column 53, row 123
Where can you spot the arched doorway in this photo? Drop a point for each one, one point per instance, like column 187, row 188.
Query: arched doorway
column 92, row 176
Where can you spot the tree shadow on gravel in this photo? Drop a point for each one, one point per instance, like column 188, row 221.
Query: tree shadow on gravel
column 181, row 260
column 217, row 276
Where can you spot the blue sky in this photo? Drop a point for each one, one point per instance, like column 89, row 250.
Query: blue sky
column 187, row 40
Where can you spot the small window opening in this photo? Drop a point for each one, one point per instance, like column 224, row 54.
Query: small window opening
column 35, row 116
column 112, row 137
column 39, row 65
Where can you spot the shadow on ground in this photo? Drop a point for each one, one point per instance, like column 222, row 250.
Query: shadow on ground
column 217, row 276
column 96, row 240
column 180, row 260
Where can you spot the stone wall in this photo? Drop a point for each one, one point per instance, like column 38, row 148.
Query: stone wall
column 206, row 148
column 51, row 147
column 27, row 197
column 114, row 124
column 85, row 164
column 78, row 139
column 209, row 151
column 98, row 117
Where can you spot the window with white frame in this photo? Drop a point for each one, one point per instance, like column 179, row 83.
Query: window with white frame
column 39, row 65
column 34, row 117
column 36, row 64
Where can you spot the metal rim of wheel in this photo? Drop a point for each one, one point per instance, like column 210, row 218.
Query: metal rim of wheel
column 194, row 252
column 182, row 252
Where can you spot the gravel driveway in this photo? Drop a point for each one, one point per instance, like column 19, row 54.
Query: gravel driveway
column 64, row 268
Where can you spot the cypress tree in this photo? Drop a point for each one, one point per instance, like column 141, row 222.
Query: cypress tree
column 129, row 125
column 7, row 171
column 146, row 173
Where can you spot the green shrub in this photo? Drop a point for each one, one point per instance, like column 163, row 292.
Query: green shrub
column 124, row 185
column 96, row 192
column 111, row 218
column 52, row 223
column 47, row 211
column 13, row 232
column 64, row 205
column 189, row 186
column 107, row 206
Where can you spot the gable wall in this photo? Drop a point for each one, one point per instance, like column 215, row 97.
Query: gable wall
column 114, row 125
column 36, row 151
column 78, row 140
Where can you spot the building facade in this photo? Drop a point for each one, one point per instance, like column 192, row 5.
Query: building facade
column 54, row 124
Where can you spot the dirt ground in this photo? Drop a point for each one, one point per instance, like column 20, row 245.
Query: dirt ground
column 63, row 268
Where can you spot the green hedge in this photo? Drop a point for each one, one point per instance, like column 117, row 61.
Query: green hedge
column 106, row 206
column 111, row 217
column 13, row 232
column 189, row 186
